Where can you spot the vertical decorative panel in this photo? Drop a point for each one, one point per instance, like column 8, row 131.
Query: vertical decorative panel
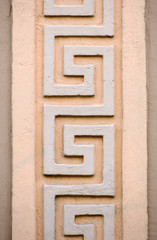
column 79, row 127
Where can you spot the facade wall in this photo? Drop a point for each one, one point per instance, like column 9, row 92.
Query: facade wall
column 5, row 119
column 134, row 121
column 35, row 179
column 23, row 120
column 63, row 120
column 151, row 15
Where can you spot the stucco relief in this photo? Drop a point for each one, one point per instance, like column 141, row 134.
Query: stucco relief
column 106, row 132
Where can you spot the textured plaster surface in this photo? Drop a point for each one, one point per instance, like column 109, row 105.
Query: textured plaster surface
column 50, row 193
column 5, row 116
column 71, row 149
column 151, row 16
column 60, row 121
column 23, row 49
column 134, row 125
column 84, row 9
column 87, row 230
column 71, row 228
column 87, row 7
column 134, row 121
column 70, row 69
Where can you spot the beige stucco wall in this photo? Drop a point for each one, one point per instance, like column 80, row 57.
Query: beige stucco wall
column 134, row 121
column 28, row 100
column 23, row 120
column 151, row 17
column 5, row 119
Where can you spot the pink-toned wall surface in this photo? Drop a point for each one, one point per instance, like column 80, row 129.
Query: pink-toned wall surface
column 23, row 120
column 151, row 16
column 5, row 119
column 134, row 155
column 61, row 121
column 130, row 119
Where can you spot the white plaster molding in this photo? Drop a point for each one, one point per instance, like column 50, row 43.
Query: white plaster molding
column 87, row 88
column 85, row 9
column 50, row 193
column 106, row 188
column 87, row 168
column 88, row 231
column 87, row 151
column 50, row 112
column 107, row 185
column 71, row 69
